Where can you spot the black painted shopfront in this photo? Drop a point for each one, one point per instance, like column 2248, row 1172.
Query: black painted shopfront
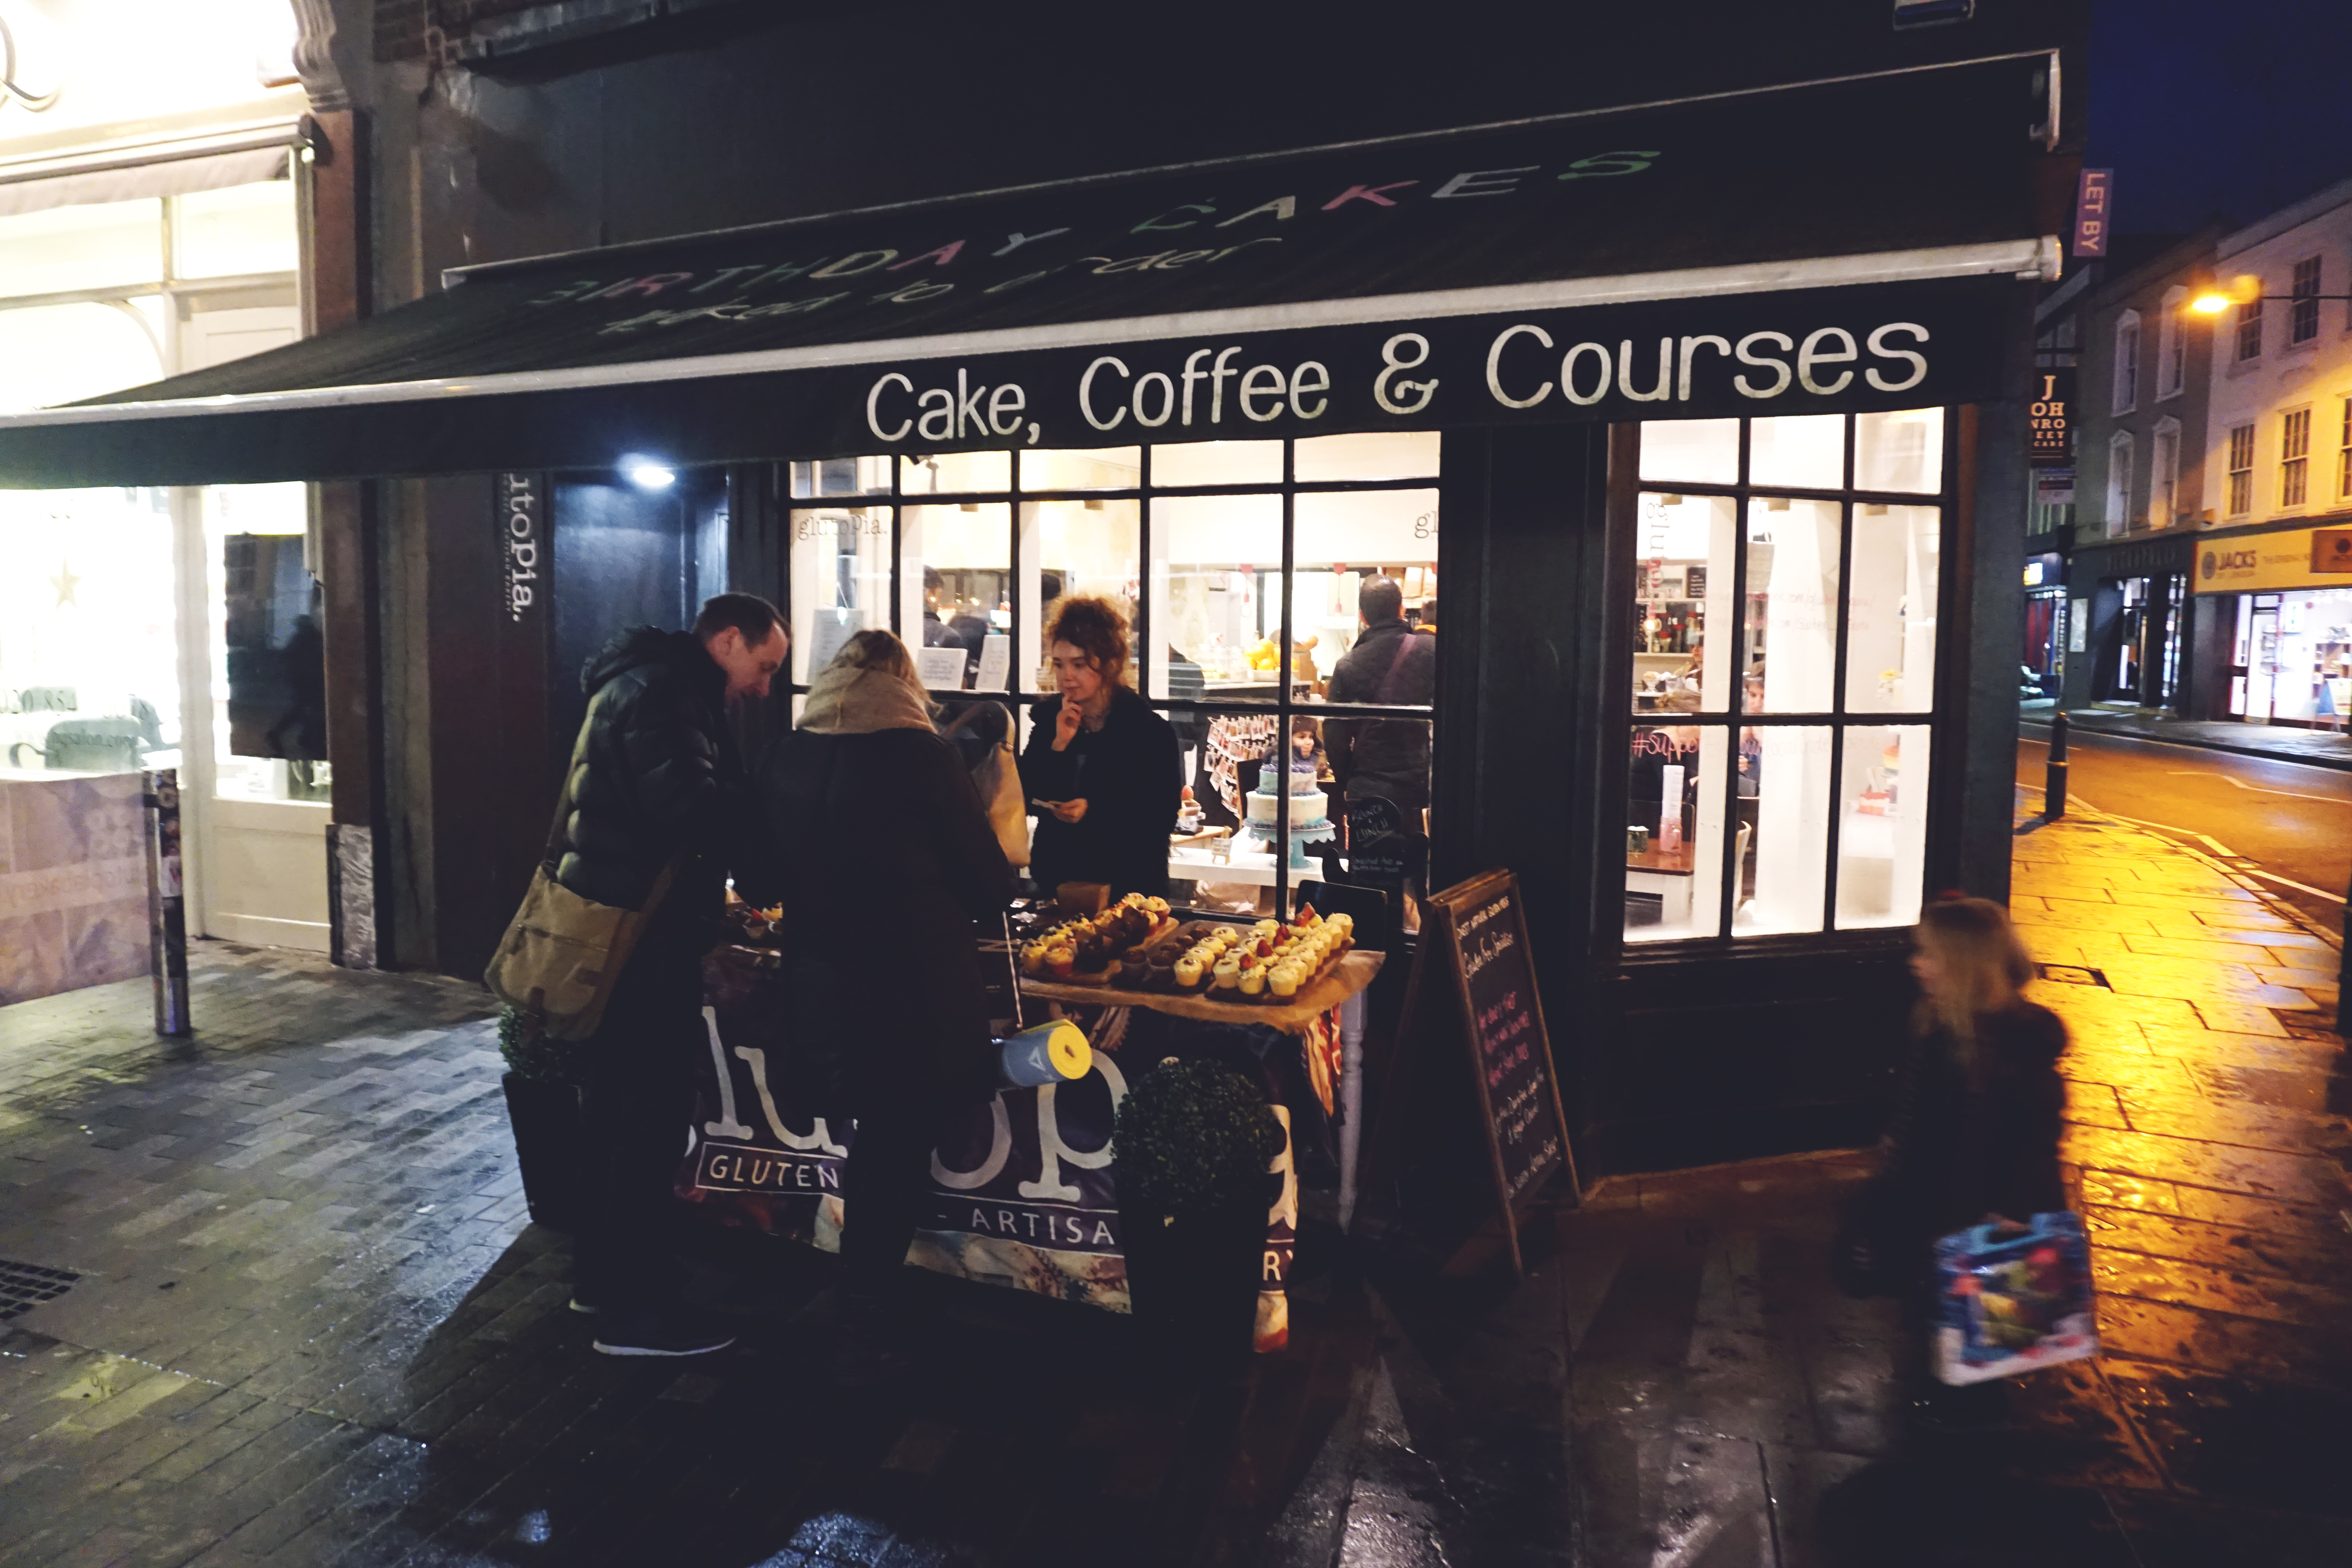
column 1685, row 450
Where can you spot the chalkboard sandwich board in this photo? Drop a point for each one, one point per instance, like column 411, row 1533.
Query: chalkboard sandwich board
column 1477, row 932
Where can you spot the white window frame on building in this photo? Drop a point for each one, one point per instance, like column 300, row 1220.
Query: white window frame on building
column 2294, row 459
column 2164, row 474
column 2172, row 346
column 2240, row 500
column 2250, row 330
column 2127, row 367
column 2344, row 455
column 2302, row 311
column 2119, row 486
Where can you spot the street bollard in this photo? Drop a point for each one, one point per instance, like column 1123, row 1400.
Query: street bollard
column 2053, row 783
column 167, row 922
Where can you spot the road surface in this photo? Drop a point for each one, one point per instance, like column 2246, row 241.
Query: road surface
column 2292, row 820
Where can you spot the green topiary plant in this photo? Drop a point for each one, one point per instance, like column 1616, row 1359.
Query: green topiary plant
column 1193, row 1136
column 534, row 1056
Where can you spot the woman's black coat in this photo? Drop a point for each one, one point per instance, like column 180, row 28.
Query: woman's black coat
column 1129, row 774
column 887, row 858
column 1972, row 1140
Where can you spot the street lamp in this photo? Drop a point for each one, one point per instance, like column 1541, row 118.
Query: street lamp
column 2213, row 302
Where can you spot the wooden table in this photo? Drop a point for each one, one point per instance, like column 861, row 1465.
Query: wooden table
column 1668, row 874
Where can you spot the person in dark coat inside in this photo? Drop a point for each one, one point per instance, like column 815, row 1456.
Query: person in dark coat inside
column 1974, row 1138
column 1387, row 758
column 1103, row 765
column 874, row 823
column 658, row 789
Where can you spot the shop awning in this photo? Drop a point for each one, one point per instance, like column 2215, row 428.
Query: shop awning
column 1843, row 245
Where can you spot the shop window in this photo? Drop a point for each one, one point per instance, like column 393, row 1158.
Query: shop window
column 2303, row 306
column 2249, row 330
column 239, row 232
column 2119, row 482
column 2164, row 474
column 2126, row 361
column 1760, row 799
column 2294, row 458
column 51, row 355
column 1218, row 552
column 2240, row 499
column 2171, row 345
column 105, row 245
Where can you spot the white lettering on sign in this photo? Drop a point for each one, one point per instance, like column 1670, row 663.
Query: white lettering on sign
column 968, row 411
column 519, row 530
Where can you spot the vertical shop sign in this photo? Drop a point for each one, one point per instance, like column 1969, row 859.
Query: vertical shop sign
column 523, row 536
column 2093, row 198
column 2049, row 421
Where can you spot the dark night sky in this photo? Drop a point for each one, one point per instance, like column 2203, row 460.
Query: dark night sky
column 2202, row 108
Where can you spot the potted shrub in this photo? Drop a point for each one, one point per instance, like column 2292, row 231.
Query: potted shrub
column 543, row 1104
column 1192, row 1143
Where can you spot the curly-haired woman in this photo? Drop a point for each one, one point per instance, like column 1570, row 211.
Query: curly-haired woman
column 1103, row 766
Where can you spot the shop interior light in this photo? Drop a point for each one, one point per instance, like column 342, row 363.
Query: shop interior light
column 648, row 476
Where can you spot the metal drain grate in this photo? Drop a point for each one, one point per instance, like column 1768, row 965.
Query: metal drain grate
column 25, row 1285
column 2071, row 974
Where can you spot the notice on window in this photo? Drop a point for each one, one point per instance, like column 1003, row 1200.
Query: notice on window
column 996, row 662
column 833, row 629
column 940, row 669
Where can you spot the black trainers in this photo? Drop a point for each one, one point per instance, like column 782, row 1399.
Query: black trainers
column 672, row 1334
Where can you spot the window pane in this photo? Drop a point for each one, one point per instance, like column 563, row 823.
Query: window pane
column 841, row 477
column 1701, row 451
column 1112, row 468
column 268, row 668
column 955, row 586
column 1214, row 561
column 1342, row 536
column 234, row 232
column 1890, row 637
column 1899, row 451
column 88, row 612
column 61, row 353
column 1681, row 586
column 1074, row 547
column 953, row 473
column 1383, row 455
column 1218, row 463
column 1784, row 828
column 1674, row 834
column 841, row 581
column 1792, row 589
column 81, row 248
column 1806, row 450
column 1882, row 825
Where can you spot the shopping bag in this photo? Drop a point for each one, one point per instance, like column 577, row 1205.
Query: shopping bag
column 2009, row 1300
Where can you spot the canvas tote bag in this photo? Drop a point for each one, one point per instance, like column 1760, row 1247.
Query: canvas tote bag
column 561, row 952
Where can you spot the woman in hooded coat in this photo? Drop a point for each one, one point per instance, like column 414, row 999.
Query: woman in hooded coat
column 876, row 831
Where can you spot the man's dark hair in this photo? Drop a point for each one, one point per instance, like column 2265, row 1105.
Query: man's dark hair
column 933, row 581
column 1381, row 599
column 747, row 612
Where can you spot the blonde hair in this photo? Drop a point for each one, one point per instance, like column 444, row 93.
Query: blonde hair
column 1985, row 966
column 1095, row 627
column 878, row 650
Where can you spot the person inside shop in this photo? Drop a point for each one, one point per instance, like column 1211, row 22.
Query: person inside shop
column 1386, row 759
column 1101, row 766
column 936, row 632
column 1974, row 1137
column 660, row 792
column 876, row 832
column 1680, row 693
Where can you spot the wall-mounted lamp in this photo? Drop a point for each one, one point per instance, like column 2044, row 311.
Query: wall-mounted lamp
column 647, row 475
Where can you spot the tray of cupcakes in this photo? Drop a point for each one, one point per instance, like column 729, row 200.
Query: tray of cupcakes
column 1097, row 949
column 1274, row 962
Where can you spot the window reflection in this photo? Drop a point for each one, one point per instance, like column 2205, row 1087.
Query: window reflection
column 1890, row 652
column 1789, row 631
column 1674, row 833
column 840, row 580
column 956, row 591
column 1882, row 825
column 1784, row 860
column 1683, row 584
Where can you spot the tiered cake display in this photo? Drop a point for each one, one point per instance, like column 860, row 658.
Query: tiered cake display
column 1311, row 810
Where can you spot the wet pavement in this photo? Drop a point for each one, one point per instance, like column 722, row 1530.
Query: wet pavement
column 2290, row 822
column 305, row 1319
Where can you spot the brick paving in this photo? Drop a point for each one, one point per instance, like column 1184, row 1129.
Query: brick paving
column 311, row 1323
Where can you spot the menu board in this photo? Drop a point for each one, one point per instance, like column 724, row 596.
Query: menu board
column 1481, row 935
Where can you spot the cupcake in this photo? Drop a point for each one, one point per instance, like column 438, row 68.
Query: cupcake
column 1347, row 924
column 1281, row 983
column 1155, row 907
column 1252, row 984
column 1228, row 975
column 1059, row 961
column 1187, row 972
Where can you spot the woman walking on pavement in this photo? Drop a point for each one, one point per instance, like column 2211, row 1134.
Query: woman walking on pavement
column 1975, row 1135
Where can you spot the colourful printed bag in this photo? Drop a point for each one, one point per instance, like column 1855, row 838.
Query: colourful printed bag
column 2012, row 1301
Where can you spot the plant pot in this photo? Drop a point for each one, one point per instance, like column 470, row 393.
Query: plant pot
column 546, row 1118
column 1193, row 1284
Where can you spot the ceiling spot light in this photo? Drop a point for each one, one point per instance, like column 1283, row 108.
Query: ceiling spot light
column 648, row 476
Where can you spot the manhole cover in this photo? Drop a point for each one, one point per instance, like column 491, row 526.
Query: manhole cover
column 25, row 1285
column 2071, row 974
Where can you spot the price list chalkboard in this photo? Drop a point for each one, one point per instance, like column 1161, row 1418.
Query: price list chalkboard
column 1483, row 938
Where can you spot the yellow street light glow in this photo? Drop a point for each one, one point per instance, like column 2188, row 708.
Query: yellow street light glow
column 2211, row 304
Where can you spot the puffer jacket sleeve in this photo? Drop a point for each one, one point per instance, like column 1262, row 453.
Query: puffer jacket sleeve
column 977, row 875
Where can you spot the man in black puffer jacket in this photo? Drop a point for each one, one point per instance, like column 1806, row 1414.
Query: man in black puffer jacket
column 660, row 784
